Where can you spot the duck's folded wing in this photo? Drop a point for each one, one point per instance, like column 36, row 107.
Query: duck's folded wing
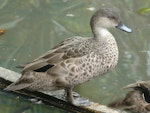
column 65, row 50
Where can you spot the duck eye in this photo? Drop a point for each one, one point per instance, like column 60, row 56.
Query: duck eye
column 111, row 17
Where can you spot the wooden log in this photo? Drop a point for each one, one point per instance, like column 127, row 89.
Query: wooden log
column 54, row 98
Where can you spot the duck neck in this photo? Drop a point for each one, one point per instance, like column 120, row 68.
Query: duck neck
column 104, row 37
column 101, row 33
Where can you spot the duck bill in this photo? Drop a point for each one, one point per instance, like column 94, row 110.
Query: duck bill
column 121, row 26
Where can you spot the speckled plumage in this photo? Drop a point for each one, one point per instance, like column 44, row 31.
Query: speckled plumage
column 75, row 60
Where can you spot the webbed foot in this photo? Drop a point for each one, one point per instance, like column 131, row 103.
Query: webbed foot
column 78, row 100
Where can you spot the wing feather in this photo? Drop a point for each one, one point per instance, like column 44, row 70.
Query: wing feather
column 69, row 48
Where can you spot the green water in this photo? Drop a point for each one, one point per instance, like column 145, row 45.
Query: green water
column 35, row 26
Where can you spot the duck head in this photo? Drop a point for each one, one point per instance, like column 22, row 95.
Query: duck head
column 107, row 18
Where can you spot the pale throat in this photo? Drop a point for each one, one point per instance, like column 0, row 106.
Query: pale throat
column 104, row 36
column 102, row 32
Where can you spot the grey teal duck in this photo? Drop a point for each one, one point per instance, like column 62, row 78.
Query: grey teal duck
column 137, row 100
column 76, row 59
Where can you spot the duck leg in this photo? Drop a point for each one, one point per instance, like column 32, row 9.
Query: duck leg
column 69, row 96
column 79, row 101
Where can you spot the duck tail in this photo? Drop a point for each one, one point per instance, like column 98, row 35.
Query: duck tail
column 14, row 86
column 32, row 81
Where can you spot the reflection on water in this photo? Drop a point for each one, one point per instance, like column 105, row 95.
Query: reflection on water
column 34, row 26
column 15, row 104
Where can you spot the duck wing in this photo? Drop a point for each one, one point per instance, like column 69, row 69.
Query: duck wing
column 69, row 48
